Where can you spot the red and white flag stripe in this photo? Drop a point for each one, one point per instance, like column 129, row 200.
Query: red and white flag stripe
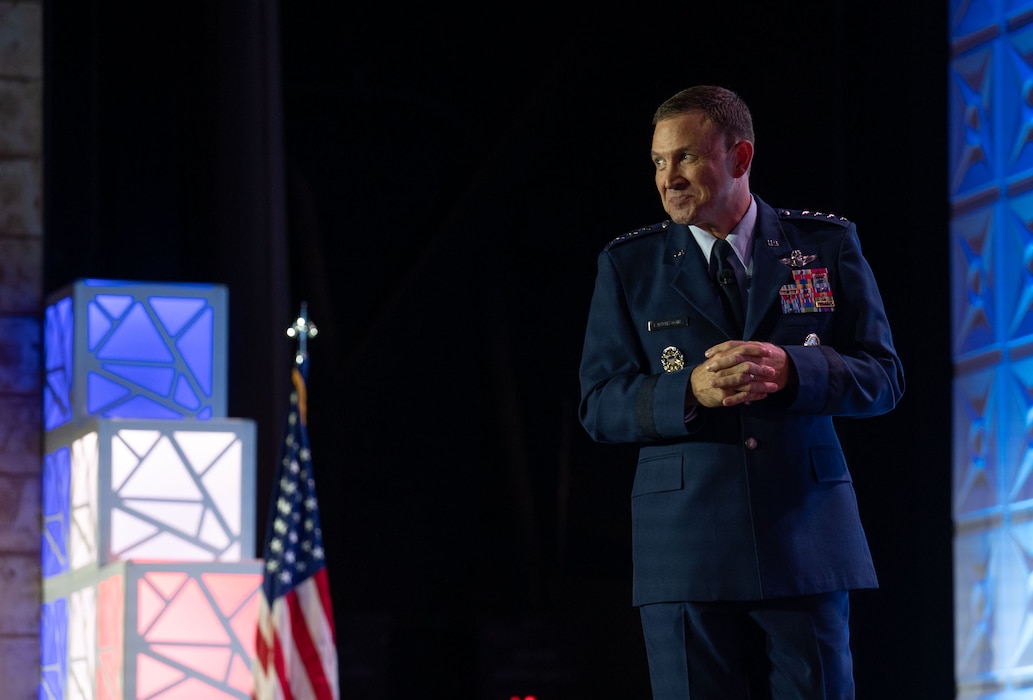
column 296, row 649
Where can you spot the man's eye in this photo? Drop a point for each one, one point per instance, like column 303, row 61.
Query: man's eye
column 659, row 162
column 689, row 157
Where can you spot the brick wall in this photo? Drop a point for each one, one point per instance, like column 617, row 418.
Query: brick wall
column 21, row 285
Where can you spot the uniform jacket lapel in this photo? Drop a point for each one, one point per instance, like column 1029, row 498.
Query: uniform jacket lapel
column 769, row 273
column 690, row 278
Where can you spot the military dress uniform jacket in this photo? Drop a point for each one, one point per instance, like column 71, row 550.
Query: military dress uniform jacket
column 749, row 502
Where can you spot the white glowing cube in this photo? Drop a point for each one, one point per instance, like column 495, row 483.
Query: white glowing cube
column 170, row 631
column 148, row 490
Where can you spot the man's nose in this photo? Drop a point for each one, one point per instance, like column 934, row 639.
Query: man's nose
column 673, row 179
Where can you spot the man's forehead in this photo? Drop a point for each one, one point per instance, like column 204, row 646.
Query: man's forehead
column 684, row 131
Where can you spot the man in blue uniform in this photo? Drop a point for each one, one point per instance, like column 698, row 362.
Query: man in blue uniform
column 723, row 341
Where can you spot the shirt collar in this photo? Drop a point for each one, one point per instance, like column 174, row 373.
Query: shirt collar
column 740, row 237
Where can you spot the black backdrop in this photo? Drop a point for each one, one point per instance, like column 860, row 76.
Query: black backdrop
column 436, row 187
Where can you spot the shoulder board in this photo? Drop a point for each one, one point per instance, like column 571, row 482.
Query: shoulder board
column 638, row 233
column 812, row 215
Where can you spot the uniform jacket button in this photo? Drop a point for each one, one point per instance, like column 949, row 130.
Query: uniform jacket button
column 751, row 443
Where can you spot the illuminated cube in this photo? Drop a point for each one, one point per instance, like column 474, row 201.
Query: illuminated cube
column 149, row 588
column 148, row 490
column 116, row 349
column 151, row 631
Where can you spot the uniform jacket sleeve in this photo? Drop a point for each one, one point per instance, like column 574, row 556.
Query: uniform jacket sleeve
column 856, row 372
column 624, row 399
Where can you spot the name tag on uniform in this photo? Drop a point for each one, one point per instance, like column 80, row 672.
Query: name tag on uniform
column 667, row 324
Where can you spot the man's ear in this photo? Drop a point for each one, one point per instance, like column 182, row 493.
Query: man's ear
column 743, row 153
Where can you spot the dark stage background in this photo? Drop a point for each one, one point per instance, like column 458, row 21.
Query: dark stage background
column 437, row 188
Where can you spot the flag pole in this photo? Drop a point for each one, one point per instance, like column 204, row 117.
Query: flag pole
column 295, row 643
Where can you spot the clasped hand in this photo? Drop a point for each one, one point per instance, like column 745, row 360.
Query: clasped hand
column 739, row 372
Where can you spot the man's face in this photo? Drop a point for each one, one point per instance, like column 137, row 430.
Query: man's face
column 700, row 179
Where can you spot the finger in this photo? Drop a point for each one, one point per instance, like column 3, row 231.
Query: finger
column 744, row 397
column 757, row 369
column 722, row 348
column 735, row 376
column 748, row 379
column 750, row 370
column 721, row 362
column 751, row 349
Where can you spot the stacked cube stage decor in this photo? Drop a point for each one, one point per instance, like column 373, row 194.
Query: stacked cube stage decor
column 150, row 590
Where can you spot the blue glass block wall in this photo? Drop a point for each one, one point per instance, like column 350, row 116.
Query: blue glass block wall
column 53, row 657
column 56, row 497
column 990, row 186
column 118, row 349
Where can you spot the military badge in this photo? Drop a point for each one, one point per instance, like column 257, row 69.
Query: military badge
column 812, row 340
column 797, row 259
column 672, row 359
column 809, row 293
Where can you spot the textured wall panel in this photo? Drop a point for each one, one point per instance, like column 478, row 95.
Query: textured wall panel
column 971, row 121
column 990, row 185
column 972, row 274
column 975, row 490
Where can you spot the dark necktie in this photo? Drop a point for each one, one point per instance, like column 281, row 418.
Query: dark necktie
column 723, row 272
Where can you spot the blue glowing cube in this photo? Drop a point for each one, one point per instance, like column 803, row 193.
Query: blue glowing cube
column 118, row 349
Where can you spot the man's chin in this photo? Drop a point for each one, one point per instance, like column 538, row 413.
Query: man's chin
column 680, row 217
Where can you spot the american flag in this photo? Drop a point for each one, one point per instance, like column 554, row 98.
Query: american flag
column 295, row 650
